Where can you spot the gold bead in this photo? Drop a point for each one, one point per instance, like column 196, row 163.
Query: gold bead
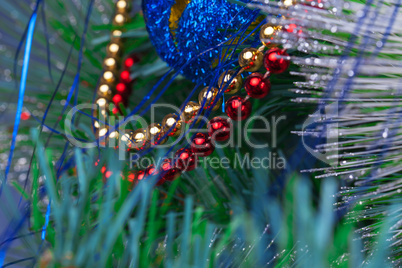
column 116, row 36
column 104, row 88
column 251, row 59
column 114, row 135
column 120, row 19
column 113, row 49
column 104, row 91
column 210, row 94
column 110, row 64
column 101, row 102
column 156, row 134
column 289, row 3
column 190, row 111
column 139, row 140
column 109, row 77
column 268, row 32
column 126, row 137
column 102, row 132
column 172, row 124
column 231, row 81
column 96, row 124
column 122, row 5
column 117, row 33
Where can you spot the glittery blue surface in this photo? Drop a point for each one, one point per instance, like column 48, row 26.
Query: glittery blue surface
column 203, row 28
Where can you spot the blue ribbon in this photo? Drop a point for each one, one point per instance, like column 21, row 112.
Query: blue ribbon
column 46, row 221
column 28, row 46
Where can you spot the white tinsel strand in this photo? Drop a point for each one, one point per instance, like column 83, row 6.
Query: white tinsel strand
column 355, row 78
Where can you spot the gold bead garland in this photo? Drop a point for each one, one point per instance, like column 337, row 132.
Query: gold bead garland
column 109, row 77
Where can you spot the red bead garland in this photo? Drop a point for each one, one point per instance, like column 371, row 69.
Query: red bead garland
column 238, row 108
column 257, row 86
column 202, row 144
column 219, row 128
column 186, row 160
column 274, row 61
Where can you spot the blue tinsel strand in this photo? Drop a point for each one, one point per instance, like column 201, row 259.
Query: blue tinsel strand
column 202, row 29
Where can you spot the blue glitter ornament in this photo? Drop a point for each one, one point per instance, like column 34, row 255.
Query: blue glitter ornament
column 197, row 35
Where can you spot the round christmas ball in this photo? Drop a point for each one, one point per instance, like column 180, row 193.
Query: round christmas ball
column 185, row 159
column 238, row 108
column 257, row 86
column 275, row 62
column 251, row 59
column 153, row 171
column 230, row 81
column 219, row 128
column 182, row 31
column 202, row 145
column 168, row 171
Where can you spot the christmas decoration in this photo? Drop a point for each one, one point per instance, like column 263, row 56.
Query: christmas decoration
column 238, row 108
column 275, row 61
column 202, row 145
column 219, row 129
column 185, row 159
column 189, row 33
column 251, row 59
column 257, row 86
column 200, row 133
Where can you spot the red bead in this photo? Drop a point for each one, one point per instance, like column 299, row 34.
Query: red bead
column 140, row 174
column 152, row 171
column 117, row 99
column 135, row 177
column 129, row 62
column 121, row 87
column 131, row 177
column 291, row 28
column 169, row 171
column 274, row 62
column 256, row 86
column 125, row 76
column 202, row 144
column 238, row 108
column 186, row 160
column 219, row 128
